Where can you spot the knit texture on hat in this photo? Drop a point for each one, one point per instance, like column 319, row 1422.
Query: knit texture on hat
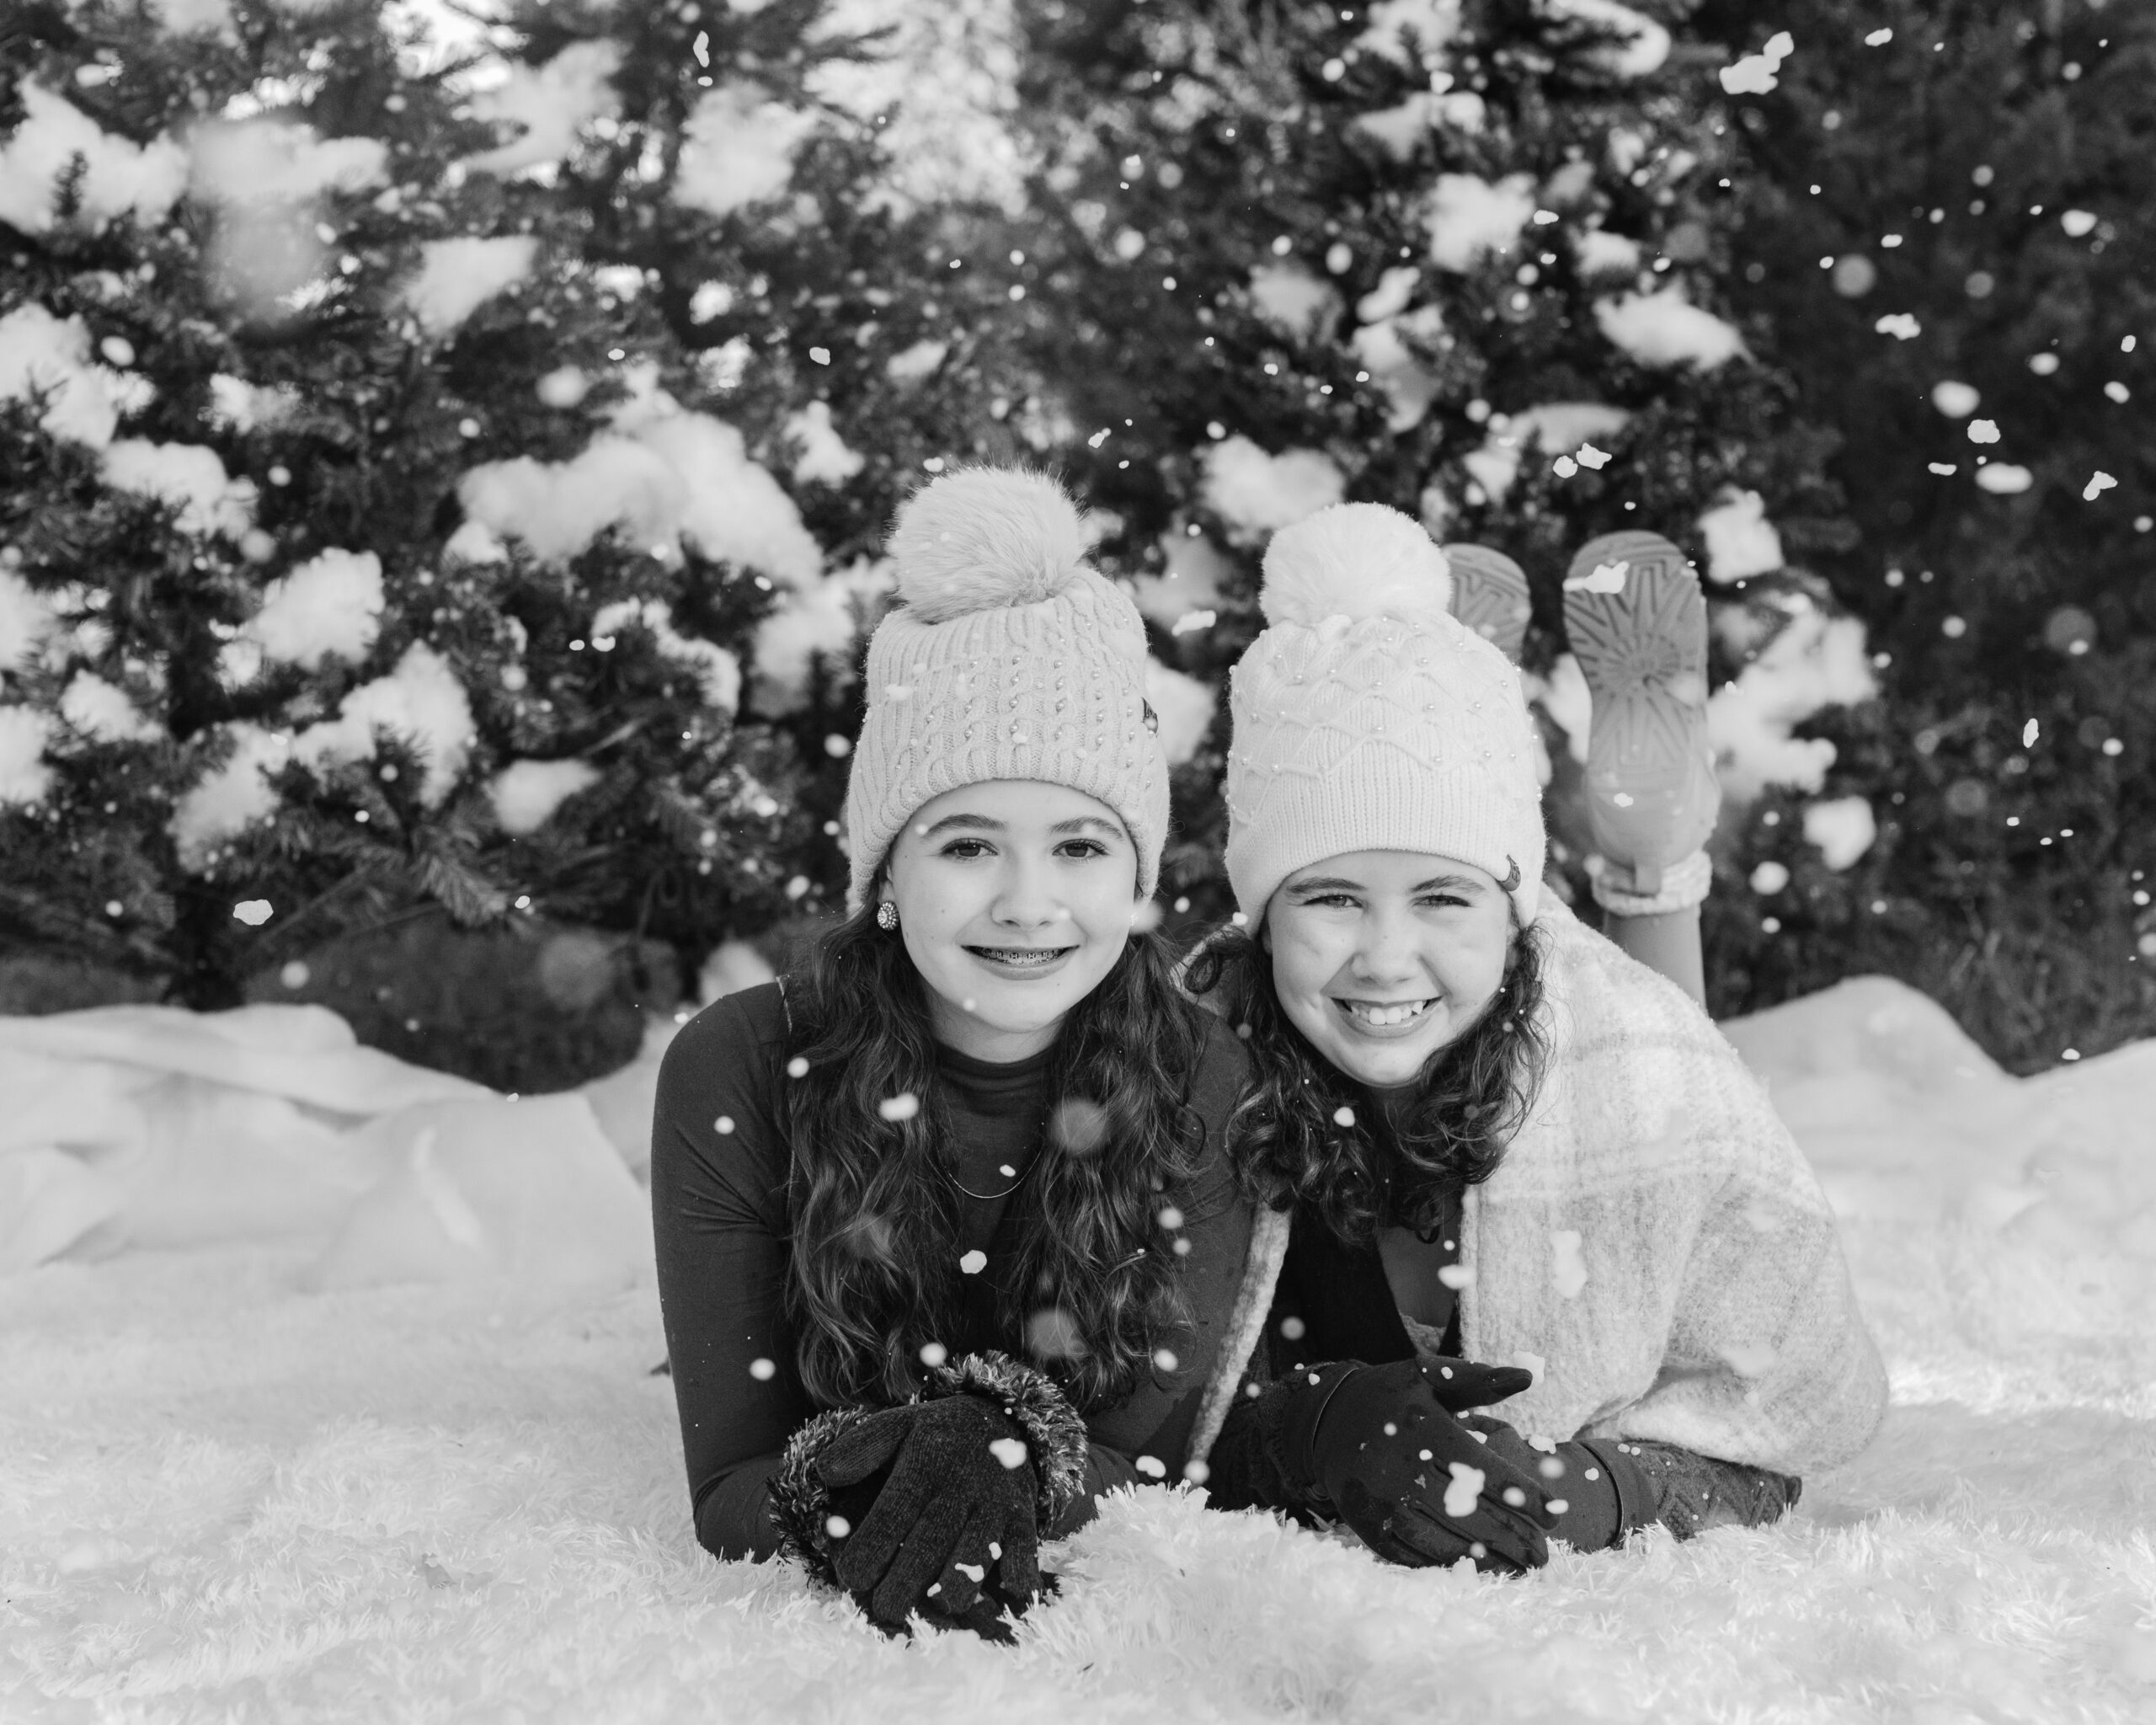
column 1008, row 659
column 1367, row 718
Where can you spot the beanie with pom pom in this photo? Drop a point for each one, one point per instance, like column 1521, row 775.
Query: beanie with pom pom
column 1367, row 718
column 1008, row 658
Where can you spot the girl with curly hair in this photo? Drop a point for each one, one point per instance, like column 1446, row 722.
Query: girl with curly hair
column 946, row 1231
column 1499, row 1160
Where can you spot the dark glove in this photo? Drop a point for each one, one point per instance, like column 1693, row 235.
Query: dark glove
column 935, row 1506
column 950, row 1489
column 1385, row 1446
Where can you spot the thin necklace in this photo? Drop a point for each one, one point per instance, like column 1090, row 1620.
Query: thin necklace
column 991, row 1197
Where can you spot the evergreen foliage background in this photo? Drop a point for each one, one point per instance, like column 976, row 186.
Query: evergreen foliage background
column 1139, row 243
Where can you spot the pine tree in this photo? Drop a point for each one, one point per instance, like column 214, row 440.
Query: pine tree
column 1942, row 212
column 1466, row 259
column 395, row 513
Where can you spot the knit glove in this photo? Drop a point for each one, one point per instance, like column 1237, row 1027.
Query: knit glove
column 908, row 1509
column 1385, row 1445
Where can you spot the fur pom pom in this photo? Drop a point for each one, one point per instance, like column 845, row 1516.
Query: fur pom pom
column 1354, row 559
column 986, row 537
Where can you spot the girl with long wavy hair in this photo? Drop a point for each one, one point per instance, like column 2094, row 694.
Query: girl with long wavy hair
column 947, row 1231
column 1500, row 1161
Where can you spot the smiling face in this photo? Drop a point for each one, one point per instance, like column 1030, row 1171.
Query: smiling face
column 1015, row 900
column 1382, row 957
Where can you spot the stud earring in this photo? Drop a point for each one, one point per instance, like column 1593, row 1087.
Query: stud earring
column 886, row 915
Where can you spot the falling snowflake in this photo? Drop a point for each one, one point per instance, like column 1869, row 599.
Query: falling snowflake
column 1011, row 1452
column 762, row 1370
column 1165, row 1358
column 1588, row 456
column 1983, row 431
column 2099, row 483
column 1466, row 1489
column 837, row 1527
column 1900, row 325
column 2029, row 734
column 902, row 1106
column 1152, row 1466
column 1564, row 467
column 974, row 1262
column 934, row 1353
column 1343, row 1115
column 797, row 1067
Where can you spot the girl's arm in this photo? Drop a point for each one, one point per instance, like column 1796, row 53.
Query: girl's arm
column 718, row 1165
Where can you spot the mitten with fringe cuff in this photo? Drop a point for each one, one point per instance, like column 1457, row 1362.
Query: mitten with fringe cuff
column 935, row 1507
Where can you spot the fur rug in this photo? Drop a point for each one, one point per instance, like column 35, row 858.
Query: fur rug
column 224, row 1499
column 233, row 1490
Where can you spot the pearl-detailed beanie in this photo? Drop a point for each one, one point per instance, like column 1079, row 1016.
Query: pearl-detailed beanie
column 1367, row 718
column 1009, row 658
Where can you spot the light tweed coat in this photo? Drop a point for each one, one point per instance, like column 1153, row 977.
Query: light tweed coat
column 1653, row 1245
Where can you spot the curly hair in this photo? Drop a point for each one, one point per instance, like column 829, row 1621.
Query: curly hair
column 1291, row 1150
column 875, row 1221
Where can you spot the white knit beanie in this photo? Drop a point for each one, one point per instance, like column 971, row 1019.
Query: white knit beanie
column 1008, row 659
column 1367, row 718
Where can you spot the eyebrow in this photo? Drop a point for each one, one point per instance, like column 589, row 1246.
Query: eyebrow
column 982, row 823
column 1338, row 883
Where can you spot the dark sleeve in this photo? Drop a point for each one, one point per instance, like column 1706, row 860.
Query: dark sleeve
column 1248, row 1471
column 1156, row 1423
column 1688, row 1493
column 719, row 1225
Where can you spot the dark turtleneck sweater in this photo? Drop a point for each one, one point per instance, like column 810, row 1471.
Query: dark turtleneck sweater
column 721, row 1216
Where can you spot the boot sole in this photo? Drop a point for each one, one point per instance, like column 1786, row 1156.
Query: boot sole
column 1489, row 596
column 1643, row 651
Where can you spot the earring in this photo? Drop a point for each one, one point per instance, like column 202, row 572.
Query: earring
column 886, row 915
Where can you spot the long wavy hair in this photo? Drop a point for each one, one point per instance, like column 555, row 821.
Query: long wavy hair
column 876, row 1218
column 1470, row 1096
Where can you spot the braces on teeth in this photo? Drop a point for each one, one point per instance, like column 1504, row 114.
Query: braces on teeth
column 1386, row 1015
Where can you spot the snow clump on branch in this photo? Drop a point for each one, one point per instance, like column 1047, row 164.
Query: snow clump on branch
column 552, row 102
column 457, row 277
column 119, row 176
column 1665, row 329
column 1256, row 493
column 329, row 607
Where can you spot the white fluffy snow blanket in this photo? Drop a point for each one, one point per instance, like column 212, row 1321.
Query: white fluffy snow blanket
column 230, row 1491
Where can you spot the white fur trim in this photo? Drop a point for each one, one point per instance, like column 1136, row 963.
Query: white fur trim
column 1268, row 1250
column 984, row 538
column 1354, row 560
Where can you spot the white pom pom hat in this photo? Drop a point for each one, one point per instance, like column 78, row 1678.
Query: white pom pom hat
column 1367, row 718
column 1009, row 659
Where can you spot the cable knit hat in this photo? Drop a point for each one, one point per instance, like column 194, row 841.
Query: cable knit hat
column 1009, row 659
column 1367, row 718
